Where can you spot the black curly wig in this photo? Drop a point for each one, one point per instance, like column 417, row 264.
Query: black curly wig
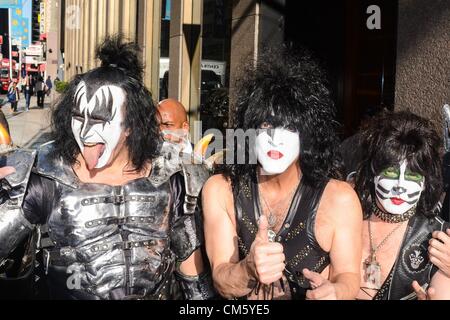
column 392, row 138
column 288, row 89
column 120, row 66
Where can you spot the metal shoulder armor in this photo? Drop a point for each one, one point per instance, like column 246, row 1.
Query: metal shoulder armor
column 197, row 170
column 14, row 227
column 187, row 231
column 195, row 176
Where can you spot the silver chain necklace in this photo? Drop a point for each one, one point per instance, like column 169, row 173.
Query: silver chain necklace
column 372, row 270
column 272, row 218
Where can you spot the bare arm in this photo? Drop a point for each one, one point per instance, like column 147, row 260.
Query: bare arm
column 346, row 250
column 343, row 211
column 234, row 278
column 231, row 277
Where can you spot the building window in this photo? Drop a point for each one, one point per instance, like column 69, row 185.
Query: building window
column 215, row 73
column 164, row 61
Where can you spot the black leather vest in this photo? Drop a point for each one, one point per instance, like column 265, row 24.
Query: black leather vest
column 412, row 262
column 296, row 235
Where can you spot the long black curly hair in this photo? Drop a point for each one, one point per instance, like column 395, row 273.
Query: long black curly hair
column 120, row 66
column 391, row 138
column 288, row 89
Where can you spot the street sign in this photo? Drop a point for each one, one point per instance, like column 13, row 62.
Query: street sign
column 34, row 50
column 42, row 18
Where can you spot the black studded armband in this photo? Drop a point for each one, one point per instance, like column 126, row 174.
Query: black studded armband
column 196, row 287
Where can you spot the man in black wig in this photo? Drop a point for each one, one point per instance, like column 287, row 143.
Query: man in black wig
column 284, row 219
column 118, row 223
column 399, row 182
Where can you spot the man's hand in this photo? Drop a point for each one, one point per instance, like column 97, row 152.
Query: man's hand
column 421, row 293
column 439, row 251
column 322, row 289
column 266, row 259
column 6, row 171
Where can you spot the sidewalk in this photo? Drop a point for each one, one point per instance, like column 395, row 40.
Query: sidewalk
column 27, row 127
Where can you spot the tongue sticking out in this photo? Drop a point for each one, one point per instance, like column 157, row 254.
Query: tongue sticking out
column 92, row 154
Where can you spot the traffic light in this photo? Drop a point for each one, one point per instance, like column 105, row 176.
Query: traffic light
column 36, row 27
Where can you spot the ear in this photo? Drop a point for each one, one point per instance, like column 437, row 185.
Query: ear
column 186, row 126
column 127, row 133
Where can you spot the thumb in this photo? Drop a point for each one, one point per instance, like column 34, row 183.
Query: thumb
column 263, row 227
column 314, row 278
column 420, row 293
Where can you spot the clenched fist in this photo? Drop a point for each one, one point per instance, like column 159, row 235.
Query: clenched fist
column 266, row 260
column 321, row 288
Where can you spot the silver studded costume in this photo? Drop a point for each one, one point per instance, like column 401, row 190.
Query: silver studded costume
column 108, row 242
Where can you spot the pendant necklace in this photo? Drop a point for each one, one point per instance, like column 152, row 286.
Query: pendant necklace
column 372, row 267
column 272, row 218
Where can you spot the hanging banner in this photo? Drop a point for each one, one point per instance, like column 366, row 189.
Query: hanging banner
column 20, row 26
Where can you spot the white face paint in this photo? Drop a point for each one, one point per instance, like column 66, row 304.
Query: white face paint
column 276, row 149
column 398, row 189
column 97, row 123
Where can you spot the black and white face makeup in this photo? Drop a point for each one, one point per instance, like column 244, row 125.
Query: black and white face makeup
column 398, row 189
column 97, row 122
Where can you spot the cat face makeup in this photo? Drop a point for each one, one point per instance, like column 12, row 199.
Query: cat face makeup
column 276, row 149
column 97, row 123
column 398, row 189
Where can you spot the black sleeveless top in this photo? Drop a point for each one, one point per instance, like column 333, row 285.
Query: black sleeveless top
column 296, row 234
column 412, row 261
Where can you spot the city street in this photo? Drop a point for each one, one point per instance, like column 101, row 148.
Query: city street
column 28, row 129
